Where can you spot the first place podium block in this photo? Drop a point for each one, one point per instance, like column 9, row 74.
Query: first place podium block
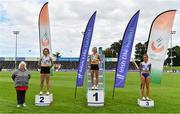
column 43, row 100
column 146, row 103
column 95, row 98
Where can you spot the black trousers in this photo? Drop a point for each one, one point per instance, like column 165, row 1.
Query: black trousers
column 20, row 96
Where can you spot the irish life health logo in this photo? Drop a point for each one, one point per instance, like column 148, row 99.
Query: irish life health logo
column 157, row 46
column 45, row 40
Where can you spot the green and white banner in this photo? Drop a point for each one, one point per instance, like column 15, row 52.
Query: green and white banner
column 159, row 36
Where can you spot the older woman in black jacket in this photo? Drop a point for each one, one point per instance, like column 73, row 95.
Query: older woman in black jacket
column 21, row 78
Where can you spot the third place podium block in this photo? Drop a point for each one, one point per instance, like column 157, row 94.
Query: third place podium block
column 145, row 103
column 43, row 100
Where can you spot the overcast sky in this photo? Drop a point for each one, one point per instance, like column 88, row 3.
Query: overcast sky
column 68, row 18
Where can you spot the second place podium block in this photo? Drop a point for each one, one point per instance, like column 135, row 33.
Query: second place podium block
column 43, row 100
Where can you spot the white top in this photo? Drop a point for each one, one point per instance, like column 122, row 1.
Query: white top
column 145, row 66
column 46, row 61
column 95, row 59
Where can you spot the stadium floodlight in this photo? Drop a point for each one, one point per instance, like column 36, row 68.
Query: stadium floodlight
column 172, row 32
column 16, row 34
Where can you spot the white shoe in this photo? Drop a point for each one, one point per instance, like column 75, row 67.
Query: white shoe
column 18, row 106
column 41, row 93
column 92, row 87
column 24, row 105
column 147, row 98
column 143, row 98
column 47, row 93
column 96, row 87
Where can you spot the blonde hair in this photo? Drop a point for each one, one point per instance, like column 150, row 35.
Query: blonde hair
column 22, row 62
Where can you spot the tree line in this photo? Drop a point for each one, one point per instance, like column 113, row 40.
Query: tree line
column 140, row 49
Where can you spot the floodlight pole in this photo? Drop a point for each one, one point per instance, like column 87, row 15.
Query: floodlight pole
column 16, row 34
column 172, row 32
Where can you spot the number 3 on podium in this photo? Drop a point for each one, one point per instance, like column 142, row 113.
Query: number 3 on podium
column 147, row 103
column 96, row 96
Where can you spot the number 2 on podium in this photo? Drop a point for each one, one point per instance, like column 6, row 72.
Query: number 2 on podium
column 41, row 100
column 96, row 96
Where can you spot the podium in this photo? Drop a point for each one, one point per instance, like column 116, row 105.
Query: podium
column 145, row 103
column 95, row 97
column 43, row 100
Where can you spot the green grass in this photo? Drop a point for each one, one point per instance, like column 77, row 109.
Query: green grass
column 166, row 95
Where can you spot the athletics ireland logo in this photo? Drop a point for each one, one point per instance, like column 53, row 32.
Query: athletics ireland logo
column 45, row 40
column 157, row 46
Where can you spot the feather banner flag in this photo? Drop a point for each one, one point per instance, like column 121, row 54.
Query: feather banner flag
column 125, row 52
column 85, row 50
column 160, row 33
column 44, row 29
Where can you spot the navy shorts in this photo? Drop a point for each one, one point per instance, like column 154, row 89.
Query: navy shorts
column 45, row 70
column 94, row 67
column 145, row 75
